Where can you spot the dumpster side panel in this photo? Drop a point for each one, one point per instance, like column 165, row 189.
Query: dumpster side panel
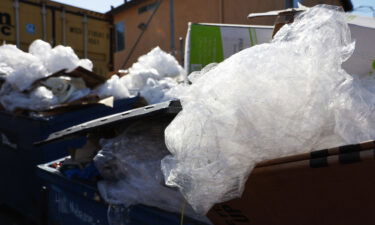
column 75, row 202
column 20, row 188
column 65, row 207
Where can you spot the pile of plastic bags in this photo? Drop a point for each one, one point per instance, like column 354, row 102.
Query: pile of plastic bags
column 151, row 77
column 20, row 70
column 282, row 98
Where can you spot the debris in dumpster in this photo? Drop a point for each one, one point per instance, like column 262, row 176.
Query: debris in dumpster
column 43, row 78
column 130, row 166
column 129, row 159
column 287, row 97
column 57, row 58
column 48, row 78
column 91, row 79
column 153, row 75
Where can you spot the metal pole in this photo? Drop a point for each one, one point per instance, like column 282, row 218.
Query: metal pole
column 85, row 36
column 16, row 6
column 182, row 51
column 171, row 17
column 63, row 26
column 141, row 34
column 44, row 21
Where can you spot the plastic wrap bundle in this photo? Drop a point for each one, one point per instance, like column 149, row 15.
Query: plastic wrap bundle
column 152, row 76
column 272, row 100
column 164, row 64
column 57, row 58
column 130, row 165
column 21, row 69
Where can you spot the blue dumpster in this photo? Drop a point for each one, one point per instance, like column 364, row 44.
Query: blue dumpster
column 20, row 187
column 78, row 202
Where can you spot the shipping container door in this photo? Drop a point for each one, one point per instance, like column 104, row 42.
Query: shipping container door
column 31, row 24
column 98, row 44
column 7, row 22
column 74, row 33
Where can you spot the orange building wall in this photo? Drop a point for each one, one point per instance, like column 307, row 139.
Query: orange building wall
column 185, row 11
column 158, row 32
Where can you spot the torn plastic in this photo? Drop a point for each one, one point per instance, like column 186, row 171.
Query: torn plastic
column 164, row 64
column 130, row 166
column 287, row 97
column 38, row 99
column 23, row 68
column 57, row 58
column 152, row 76
column 194, row 76
column 113, row 87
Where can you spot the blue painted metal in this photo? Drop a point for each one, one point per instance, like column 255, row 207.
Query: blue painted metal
column 79, row 203
column 20, row 187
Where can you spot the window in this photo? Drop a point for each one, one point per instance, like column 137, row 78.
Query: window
column 120, row 36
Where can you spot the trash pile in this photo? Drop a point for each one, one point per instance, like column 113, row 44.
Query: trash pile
column 124, row 163
column 21, row 71
column 153, row 75
column 46, row 78
column 277, row 99
column 130, row 166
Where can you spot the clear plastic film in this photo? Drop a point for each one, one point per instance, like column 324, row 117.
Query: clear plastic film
column 152, row 76
column 277, row 99
column 130, row 166
column 21, row 69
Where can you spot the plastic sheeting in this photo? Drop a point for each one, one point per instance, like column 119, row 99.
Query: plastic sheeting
column 152, row 76
column 282, row 98
column 21, row 69
column 130, row 166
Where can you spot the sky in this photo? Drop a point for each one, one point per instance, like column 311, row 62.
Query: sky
column 94, row 5
column 105, row 5
column 363, row 11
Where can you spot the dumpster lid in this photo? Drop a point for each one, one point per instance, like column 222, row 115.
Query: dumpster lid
column 164, row 108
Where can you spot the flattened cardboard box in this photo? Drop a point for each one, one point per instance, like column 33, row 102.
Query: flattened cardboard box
column 327, row 187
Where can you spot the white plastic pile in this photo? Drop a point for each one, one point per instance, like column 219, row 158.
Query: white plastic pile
column 21, row 69
column 152, row 77
column 272, row 100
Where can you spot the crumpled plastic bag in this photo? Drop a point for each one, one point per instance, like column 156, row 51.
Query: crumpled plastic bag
column 130, row 166
column 277, row 99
